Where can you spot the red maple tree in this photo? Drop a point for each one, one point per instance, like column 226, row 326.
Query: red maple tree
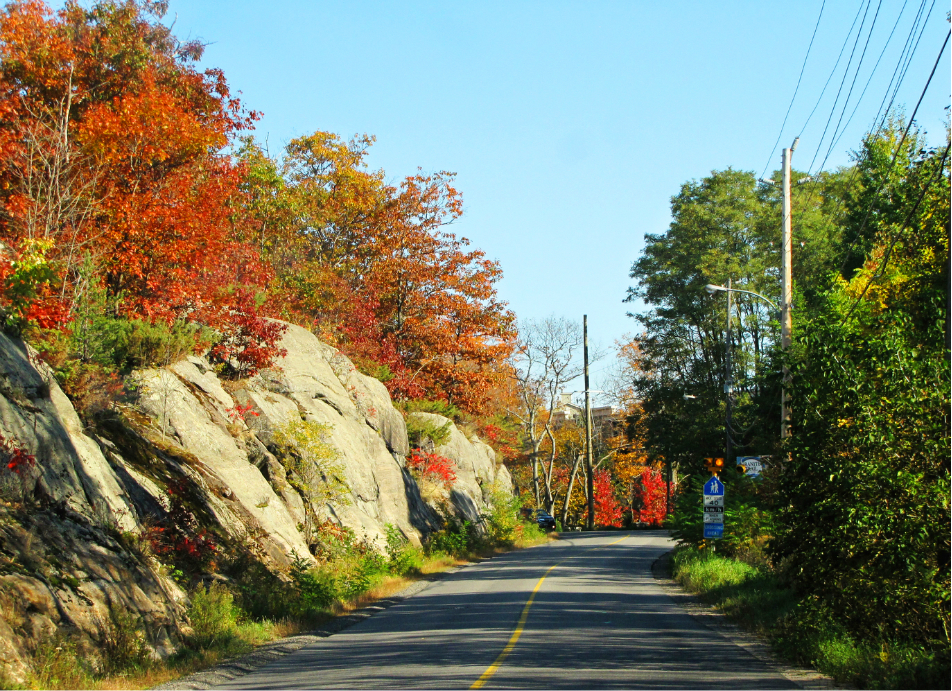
column 652, row 494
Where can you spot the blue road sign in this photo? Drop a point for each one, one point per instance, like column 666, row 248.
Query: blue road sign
column 713, row 530
column 714, row 487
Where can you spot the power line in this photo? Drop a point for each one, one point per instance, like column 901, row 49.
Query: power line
column 900, row 70
column 882, row 267
column 794, row 97
column 833, row 71
column 851, row 180
column 840, row 90
column 849, row 94
column 871, row 74
column 892, row 163
column 909, row 48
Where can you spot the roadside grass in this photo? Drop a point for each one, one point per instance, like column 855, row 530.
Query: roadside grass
column 799, row 630
column 221, row 630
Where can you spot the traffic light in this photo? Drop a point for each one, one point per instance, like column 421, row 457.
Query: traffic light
column 741, row 468
column 715, row 465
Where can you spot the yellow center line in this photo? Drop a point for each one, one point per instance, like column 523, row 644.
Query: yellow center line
column 520, row 625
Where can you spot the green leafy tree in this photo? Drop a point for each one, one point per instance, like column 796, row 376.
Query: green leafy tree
column 864, row 496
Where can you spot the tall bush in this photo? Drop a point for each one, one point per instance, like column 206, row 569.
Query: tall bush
column 864, row 498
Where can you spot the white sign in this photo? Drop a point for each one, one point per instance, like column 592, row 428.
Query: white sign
column 714, row 518
column 753, row 465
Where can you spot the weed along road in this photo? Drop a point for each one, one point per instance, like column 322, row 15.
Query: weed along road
column 582, row 612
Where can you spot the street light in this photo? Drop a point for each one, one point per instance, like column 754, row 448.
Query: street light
column 711, row 288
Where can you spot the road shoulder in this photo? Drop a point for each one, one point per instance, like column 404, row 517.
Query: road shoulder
column 717, row 621
column 216, row 676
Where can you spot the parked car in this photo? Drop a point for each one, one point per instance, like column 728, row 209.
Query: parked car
column 545, row 520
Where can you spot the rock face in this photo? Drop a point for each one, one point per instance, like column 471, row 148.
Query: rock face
column 477, row 474
column 61, row 568
column 73, row 525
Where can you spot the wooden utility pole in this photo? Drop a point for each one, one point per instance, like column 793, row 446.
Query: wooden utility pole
column 728, row 378
column 786, row 288
column 590, row 485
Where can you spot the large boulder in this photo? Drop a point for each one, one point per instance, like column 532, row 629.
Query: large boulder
column 62, row 566
column 315, row 382
column 238, row 494
column 70, row 468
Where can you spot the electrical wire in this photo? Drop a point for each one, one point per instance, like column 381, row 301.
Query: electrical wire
column 892, row 163
column 882, row 267
column 833, row 71
column 840, row 90
column 909, row 57
column 849, row 94
column 900, row 70
column 871, row 75
column 797, row 89
column 909, row 48
column 835, row 138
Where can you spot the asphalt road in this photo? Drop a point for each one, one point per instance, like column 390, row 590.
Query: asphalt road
column 597, row 619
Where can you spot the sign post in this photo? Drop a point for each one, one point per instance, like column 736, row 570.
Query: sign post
column 713, row 508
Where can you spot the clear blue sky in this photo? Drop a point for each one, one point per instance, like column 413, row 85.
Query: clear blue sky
column 570, row 124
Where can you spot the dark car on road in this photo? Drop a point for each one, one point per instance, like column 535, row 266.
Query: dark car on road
column 545, row 520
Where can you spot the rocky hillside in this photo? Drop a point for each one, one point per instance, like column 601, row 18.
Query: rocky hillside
column 231, row 476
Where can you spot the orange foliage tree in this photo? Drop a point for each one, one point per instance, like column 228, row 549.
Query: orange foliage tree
column 112, row 148
column 371, row 268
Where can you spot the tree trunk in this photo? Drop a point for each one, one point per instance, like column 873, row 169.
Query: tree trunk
column 568, row 492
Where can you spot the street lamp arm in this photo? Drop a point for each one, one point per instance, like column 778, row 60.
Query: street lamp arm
column 711, row 288
column 750, row 292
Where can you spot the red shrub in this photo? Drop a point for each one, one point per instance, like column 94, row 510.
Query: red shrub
column 179, row 536
column 15, row 456
column 653, row 496
column 608, row 510
column 433, row 467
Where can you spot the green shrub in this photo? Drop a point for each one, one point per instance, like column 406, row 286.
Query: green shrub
column 316, row 589
column 531, row 532
column 447, row 410
column 503, row 522
column 457, row 538
column 312, row 462
column 403, row 558
column 123, row 643
column 373, row 369
column 863, row 523
column 805, row 630
column 58, row 664
column 420, row 430
column 748, row 520
column 213, row 616
column 136, row 344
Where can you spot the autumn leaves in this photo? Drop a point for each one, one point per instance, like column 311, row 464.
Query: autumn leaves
column 124, row 168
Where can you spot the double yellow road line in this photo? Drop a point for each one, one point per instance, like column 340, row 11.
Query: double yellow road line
column 521, row 624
